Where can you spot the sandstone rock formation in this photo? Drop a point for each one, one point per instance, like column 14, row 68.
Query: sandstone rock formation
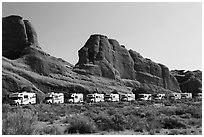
column 107, row 58
column 104, row 66
column 189, row 81
column 17, row 34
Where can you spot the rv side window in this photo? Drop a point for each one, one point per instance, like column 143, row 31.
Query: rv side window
column 25, row 96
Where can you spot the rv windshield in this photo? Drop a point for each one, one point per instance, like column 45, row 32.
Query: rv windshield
column 15, row 98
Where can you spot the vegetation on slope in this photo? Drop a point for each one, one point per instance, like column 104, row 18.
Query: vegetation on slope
column 161, row 117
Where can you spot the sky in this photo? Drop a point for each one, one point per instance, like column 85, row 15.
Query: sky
column 169, row 33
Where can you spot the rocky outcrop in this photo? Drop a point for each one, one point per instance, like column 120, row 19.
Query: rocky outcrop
column 17, row 34
column 107, row 58
column 189, row 81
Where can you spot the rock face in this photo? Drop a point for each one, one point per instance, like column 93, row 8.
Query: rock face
column 189, row 81
column 17, row 34
column 107, row 58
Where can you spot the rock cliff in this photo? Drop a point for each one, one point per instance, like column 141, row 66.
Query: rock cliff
column 104, row 66
column 107, row 58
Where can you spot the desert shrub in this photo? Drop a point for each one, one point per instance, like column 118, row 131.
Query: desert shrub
column 171, row 122
column 47, row 117
column 6, row 108
column 173, row 132
column 119, row 122
column 48, row 130
column 19, row 123
column 186, row 115
column 80, row 124
column 103, row 121
column 110, row 121
column 195, row 122
column 152, row 132
column 195, row 112
column 28, row 106
column 167, row 111
column 140, row 126
column 184, row 132
column 47, row 112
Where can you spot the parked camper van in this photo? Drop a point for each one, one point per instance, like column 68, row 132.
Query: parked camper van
column 127, row 97
column 159, row 96
column 177, row 95
column 95, row 97
column 23, row 98
column 199, row 95
column 54, row 98
column 111, row 97
column 145, row 97
column 75, row 98
column 186, row 95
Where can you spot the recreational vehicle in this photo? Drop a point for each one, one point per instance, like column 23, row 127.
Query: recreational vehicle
column 95, row 97
column 145, row 97
column 159, row 96
column 186, row 95
column 177, row 95
column 127, row 97
column 111, row 97
column 54, row 98
column 23, row 98
column 75, row 98
column 199, row 95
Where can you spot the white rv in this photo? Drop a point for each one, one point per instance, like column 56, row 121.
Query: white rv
column 111, row 97
column 95, row 97
column 186, row 95
column 199, row 95
column 23, row 98
column 159, row 97
column 145, row 96
column 177, row 95
column 54, row 98
column 75, row 98
column 127, row 97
